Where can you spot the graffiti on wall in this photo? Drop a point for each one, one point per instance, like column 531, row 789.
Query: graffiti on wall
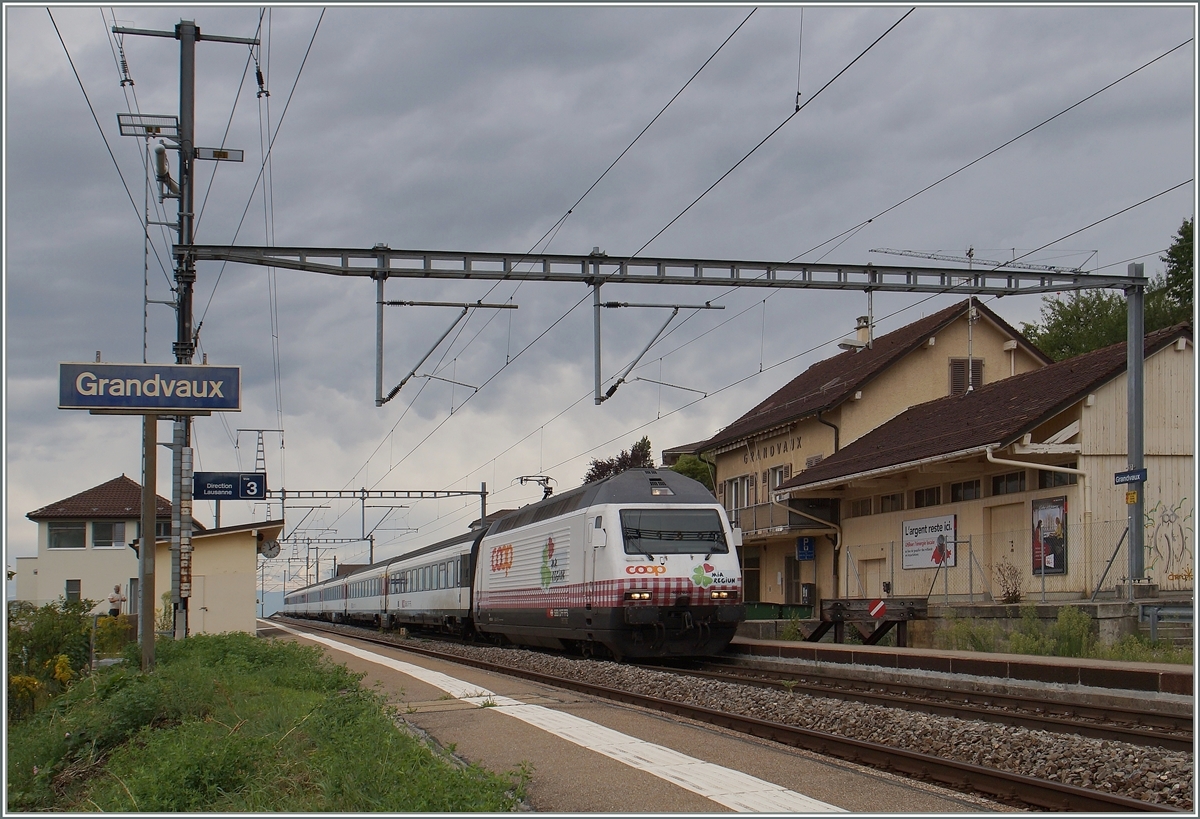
column 1168, row 542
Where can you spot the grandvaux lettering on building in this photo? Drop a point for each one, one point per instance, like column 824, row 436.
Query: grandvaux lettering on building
column 134, row 387
column 771, row 450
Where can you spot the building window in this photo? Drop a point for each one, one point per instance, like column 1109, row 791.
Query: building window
column 108, row 535
column 162, row 529
column 930, row 496
column 1008, row 484
column 1049, row 480
column 751, row 569
column 860, row 508
column 66, row 535
column 779, row 475
column 891, row 503
column 965, row 491
column 958, row 375
column 72, row 590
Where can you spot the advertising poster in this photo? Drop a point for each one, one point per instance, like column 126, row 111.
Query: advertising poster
column 1049, row 536
column 930, row 542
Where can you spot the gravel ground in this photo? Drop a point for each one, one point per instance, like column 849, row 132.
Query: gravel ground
column 1149, row 774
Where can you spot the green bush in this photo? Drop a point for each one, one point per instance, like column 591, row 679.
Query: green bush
column 1030, row 636
column 234, row 723
column 48, row 646
column 969, row 635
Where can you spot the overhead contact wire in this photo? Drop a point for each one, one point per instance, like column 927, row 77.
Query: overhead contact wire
column 774, row 131
column 997, row 148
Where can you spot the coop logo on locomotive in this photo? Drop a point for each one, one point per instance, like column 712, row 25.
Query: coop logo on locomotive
column 502, row 558
column 644, row 569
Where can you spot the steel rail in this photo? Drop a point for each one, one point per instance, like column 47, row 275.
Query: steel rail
column 975, row 705
column 1001, row 785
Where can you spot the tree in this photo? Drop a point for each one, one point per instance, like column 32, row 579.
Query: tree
column 1180, row 262
column 694, row 468
column 636, row 457
column 1089, row 320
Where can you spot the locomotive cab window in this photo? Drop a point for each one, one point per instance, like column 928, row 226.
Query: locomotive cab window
column 672, row 531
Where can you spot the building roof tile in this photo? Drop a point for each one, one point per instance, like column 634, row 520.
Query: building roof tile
column 998, row 414
column 120, row 498
column 828, row 383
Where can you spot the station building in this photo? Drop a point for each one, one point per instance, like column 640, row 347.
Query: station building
column 84, row 549
column 823, row 410
column 1012, row 486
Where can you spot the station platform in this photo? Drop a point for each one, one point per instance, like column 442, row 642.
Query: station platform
column 1151, row 678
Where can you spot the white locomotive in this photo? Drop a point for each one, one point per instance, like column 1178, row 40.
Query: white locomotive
column 642, row 564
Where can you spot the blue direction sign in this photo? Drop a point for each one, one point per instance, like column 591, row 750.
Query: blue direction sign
column 145, row 388
column 229, row 485
column 1131, row 476
column 806, row 548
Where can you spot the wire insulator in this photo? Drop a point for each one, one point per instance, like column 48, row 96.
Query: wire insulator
column 262, row 91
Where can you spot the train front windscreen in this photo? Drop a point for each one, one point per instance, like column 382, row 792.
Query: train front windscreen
column 672, row 531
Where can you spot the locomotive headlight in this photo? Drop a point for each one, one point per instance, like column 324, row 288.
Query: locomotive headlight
column 637, row 595
column 720, row 595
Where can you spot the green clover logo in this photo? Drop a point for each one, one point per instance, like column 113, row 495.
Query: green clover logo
column 701, row 578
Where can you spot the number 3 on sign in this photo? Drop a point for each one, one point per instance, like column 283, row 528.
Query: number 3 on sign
column 251, row 486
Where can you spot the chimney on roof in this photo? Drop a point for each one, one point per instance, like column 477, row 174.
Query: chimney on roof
column 863, row 329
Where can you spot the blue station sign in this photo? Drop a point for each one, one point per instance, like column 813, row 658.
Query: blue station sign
column 229, row 485
column 145, row 388
column 1130, row 476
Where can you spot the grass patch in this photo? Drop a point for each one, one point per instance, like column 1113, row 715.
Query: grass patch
column 235, row 723
column 1070, row 635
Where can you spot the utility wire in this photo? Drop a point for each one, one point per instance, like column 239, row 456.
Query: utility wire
column 262, row 168
column 994, row 150
column 776, row 130
column 553, row 230
column 847, row 234
column 107, row 146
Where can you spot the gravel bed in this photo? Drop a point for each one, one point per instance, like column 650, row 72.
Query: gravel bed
column 1149, row 774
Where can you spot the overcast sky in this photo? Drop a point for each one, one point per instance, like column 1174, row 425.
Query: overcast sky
column 443, row 128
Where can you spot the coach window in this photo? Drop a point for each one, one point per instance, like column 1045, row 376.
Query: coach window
column 442, row 576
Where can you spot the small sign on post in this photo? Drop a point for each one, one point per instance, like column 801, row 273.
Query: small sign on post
column 877, row 609
column 1130, row 476
column 806, row 548
column 230, row 486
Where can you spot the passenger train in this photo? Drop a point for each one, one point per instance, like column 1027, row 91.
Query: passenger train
column 641, row 564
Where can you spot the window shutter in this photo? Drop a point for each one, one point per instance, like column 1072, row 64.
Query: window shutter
column 721, row 491
column 958, row 374
column 766, row 479
column 787, row 471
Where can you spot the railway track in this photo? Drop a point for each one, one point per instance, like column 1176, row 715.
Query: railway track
column 1136, row 726
column 1003, row 786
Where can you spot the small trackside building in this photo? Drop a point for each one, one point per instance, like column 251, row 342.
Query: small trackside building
column 83, row 546
column 1012, row 485
column 225, row 581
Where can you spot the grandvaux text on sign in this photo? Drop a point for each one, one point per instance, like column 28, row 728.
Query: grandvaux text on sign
column 166, row 388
